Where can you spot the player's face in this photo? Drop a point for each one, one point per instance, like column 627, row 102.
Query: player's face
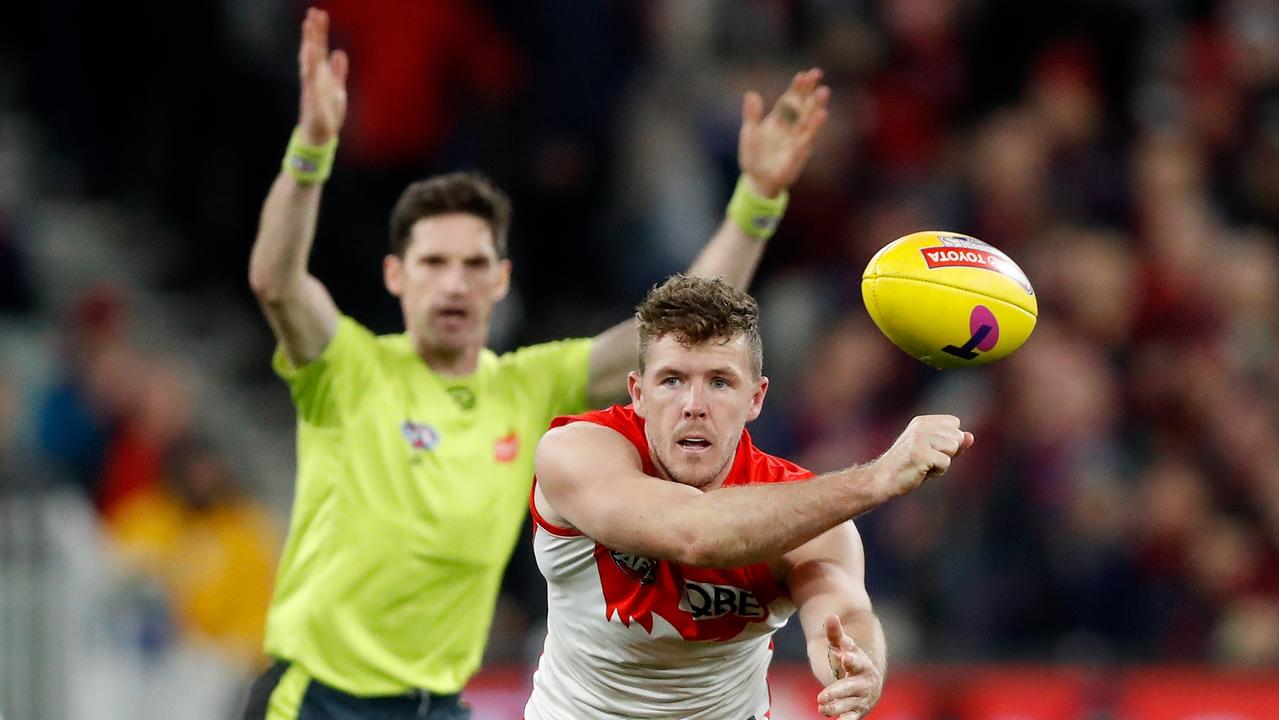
column 695, row 402
column 448, row 282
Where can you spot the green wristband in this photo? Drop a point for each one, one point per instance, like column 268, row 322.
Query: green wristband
column 309, row 164
column 757, row 216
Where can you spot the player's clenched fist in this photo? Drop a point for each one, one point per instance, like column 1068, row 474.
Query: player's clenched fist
column 923, row 450
column 857, row 683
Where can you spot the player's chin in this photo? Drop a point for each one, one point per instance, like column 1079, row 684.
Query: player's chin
column 694, row 474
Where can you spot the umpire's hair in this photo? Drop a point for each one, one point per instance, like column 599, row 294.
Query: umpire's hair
column 461, row 192
column 698, row 311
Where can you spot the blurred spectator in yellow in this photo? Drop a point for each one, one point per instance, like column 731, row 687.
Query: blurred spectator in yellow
column 210, row 546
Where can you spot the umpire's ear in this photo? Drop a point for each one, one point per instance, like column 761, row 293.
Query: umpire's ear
column 393, row 274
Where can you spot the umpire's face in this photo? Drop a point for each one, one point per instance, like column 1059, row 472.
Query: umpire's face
column 448, row 282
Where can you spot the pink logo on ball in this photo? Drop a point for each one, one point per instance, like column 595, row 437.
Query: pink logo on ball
column 982, row 316
column 984, row 330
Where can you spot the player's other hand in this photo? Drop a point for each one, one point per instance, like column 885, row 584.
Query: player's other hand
column 772, row 149
column 322, row 109
column 924, row 450
column 856, row 684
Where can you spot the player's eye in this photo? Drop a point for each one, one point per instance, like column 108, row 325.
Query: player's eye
column 477, row 263
column 720, row 383
column 671, row 381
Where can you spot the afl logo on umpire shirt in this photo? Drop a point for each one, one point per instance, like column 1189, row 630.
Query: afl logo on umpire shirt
column 420, row 436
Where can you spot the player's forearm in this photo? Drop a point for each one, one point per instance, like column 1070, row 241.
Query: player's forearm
column 286, row 231
column 731, row 254
column 743, row 525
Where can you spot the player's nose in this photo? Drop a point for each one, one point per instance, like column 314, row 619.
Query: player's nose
column 694, row 402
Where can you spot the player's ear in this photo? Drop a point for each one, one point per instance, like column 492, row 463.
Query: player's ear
column 393, row 274
column 757, row 398
column 633, row 387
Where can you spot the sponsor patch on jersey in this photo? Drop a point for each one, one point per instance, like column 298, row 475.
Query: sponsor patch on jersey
column 706, row 601
column 507, row 447
column 420, row 436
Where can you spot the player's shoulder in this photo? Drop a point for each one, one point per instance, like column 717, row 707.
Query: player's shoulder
column 617, row 417
column 768, row 468
column 619, row 420
column 577, row 441
column 620, row 416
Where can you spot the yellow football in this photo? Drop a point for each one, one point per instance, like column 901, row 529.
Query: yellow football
column 949, row 300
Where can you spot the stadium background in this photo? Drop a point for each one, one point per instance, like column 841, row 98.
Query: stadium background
column 1108, row 549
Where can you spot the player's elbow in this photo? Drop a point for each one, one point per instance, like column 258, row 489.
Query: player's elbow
column 700, row 556
column 699, row 548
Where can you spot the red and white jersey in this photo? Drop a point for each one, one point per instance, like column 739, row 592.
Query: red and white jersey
column 634, row 637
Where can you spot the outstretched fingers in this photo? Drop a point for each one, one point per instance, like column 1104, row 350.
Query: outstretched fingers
column 752, row 109
column 795, row 104
column 834, row 632
column 340, row 65
column 315, row 41
column 812, row 119
column 856, row 680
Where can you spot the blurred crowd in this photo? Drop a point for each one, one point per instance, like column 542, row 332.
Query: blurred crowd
column 118, row 425
column 1122, row 500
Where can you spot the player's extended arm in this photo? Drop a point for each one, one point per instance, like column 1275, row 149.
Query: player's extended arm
column 591, row 478
column 846, row 650
column 298, row 307
column 772, row 151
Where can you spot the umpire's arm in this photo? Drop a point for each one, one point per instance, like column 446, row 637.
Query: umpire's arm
column 772, row 151
column 298, row 307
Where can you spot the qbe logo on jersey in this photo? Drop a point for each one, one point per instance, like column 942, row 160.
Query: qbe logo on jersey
column 706, row 601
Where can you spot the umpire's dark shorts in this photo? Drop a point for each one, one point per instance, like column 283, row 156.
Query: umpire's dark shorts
column 286, row 692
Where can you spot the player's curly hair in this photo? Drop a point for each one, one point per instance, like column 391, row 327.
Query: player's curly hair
column 699, row 311
column 459, row 192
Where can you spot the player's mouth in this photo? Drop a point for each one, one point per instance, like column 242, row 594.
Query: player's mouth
column 694, row 444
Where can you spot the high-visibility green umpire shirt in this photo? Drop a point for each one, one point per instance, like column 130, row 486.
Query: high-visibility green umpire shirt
column 411, row 492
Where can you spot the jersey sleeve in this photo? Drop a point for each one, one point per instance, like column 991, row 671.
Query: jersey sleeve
column 555, row 375
column 331, row 384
